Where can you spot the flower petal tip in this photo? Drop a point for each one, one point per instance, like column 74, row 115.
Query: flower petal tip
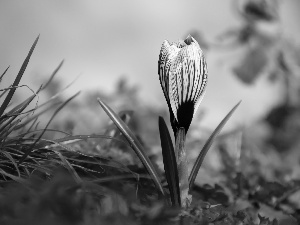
column 183, row 77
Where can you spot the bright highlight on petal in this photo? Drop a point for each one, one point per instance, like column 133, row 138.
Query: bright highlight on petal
column 183, row 76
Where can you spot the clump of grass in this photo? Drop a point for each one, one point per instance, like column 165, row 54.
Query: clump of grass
column 46, row 181
column 23, row 149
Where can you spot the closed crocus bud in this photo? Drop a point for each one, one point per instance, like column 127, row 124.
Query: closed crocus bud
column 183, row 77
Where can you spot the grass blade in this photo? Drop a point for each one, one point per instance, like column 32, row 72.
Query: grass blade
column 35, row 117
column 134, row 143
column 170, row 164
column 120, row 177
column 18, row 78
column 207, row 146
column 27, row 151
column 2, row 75
column 8, row 130
column 58, row 93
column 53, row 74
column 13, row 177
column 43, row 143
column 75, row 138
column 16, row 111
column 12, row 161
column 22, row 105
column 69, row 167
column 3, row 93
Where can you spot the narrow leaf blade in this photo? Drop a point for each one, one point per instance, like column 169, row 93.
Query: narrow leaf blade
column 53, row 74
column 18, row 78
column 207, row 146
column 15, row 112
column 170, row 164
column 134, row 143
column 2, row 75
column 28, row 151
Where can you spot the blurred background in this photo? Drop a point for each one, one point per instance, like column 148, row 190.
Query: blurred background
column 104, row 41
column 111, row 49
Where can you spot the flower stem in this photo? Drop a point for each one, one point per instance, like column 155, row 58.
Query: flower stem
column 182, row 165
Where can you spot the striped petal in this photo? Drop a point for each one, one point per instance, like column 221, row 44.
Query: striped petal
column 183, row 77
column 166, row 57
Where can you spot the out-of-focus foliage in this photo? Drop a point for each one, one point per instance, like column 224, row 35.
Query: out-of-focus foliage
column 260, row 35
column 251, row 176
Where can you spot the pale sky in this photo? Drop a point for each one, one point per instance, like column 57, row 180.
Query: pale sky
column 103, row 40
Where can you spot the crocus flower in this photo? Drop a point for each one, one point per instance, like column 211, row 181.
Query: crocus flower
column 182, row 72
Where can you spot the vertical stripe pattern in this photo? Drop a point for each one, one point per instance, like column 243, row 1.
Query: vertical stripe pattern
column 183, row 76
